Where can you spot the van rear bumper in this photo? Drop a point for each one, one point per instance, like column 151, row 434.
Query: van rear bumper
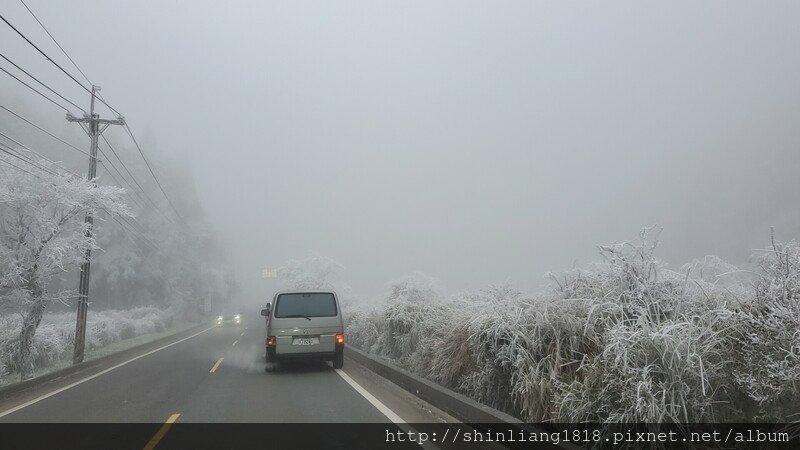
column 273, row 356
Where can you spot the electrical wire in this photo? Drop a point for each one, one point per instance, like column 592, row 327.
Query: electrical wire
column 37, row 154
column 130, row 133
column 44, row 131
column 108, row 162
column 40, row 82
column 20, row 168
column 22, row 158
column 55, row 63
column 35, row 90
column 146, row 196
column 55, row 41
column 127, row 127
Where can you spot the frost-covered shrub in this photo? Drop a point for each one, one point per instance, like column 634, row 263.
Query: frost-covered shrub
column 364, row 325
column 9, row 333
column 766, row 336
column 55, row 337
column 659, row 355
column 411, row 315
column 127, row 330
column 49, row 343
column 624, row 340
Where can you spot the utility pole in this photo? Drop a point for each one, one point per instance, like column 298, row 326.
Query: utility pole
column 94, row 126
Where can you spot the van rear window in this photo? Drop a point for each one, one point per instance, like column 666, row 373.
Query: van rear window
column 305, row 305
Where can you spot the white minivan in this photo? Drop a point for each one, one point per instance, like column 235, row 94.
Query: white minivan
column 304, row 324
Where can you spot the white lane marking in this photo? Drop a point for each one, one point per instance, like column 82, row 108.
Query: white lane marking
column 242, row 333
column 214, row 369
column 370, row 398
column 234, row 343
column 391, row 415
column 91, row 377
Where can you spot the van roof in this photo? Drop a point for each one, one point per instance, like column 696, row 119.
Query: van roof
column 306, row 291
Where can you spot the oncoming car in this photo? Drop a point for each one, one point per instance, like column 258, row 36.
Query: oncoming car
column 231, row 319
column 305, row 325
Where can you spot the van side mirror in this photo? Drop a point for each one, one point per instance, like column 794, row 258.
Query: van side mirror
column 265, row 311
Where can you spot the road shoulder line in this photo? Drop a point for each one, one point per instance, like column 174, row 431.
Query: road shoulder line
column 91, row 377
column 391, row 415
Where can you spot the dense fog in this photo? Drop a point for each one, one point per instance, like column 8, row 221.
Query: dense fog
column 473, row 142
column 568, row 212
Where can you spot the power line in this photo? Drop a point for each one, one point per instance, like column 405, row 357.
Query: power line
column 37, row 154
column 40, row 82
column 90, row 91
column 130, row 228
column 94, row 127
column 114, row 152
column 44, row 131
column 35, row 90
column 137, row 233
column 30, row 161
column 130, row 133
column 105, row 163
column 20, row 168
column 59, row 140
column 55, row 41
column 10, row 151
column 23, row 159
column 118, row 183
column 153, row 245
column 27, row 159
column 55, row 63
column 88, row 81
column 62, row 49
column 65, row 143
column 110, row 173
column 132, row 177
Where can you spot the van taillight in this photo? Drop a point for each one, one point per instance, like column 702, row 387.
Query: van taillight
column 271, row 341
column 339, row 338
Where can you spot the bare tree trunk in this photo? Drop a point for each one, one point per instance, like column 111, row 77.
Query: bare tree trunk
column 29, row 325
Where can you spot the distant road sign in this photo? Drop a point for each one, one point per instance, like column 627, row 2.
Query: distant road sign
column 269, row 273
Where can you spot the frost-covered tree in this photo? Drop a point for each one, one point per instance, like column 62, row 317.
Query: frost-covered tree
column 314, row 272
column 43, row 233
column 180, row 265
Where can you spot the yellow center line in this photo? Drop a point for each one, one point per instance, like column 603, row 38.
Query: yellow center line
column 234, row 343
column 161, row 432
column 214, row 369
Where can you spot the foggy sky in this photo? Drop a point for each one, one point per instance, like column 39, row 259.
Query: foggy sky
column 476, row 142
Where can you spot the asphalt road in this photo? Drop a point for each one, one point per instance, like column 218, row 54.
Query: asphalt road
column 214, row 375
column 218, row 376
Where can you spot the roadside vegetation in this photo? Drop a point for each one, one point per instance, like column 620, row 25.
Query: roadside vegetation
column 53, row 342
column 624, row 340
column 148, row 269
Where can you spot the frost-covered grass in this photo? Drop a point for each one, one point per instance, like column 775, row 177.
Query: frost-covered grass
column 626, row 340
column 54, row 339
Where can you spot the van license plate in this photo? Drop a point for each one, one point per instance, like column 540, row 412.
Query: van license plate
column 305, row 341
